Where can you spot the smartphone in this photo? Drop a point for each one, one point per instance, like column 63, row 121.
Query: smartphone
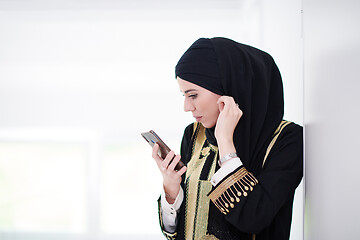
column 151, row 137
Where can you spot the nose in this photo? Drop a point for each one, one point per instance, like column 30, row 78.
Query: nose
column 188, row 105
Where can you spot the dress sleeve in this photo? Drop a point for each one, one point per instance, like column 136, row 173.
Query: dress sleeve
column 169, row 211
column 224, row 171
column 168, row 235
column 168, row 214
column 172, row 235
column 251, row 203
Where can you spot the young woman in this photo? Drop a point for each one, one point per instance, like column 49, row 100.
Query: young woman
column 243, row 161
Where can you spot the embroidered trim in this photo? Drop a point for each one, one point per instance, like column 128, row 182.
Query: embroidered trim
column 281, row 127
column 231, row 189
column 197, row 202
column 209, row 237
column 228, row 192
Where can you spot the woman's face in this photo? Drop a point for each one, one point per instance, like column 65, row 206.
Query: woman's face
column 201, row 102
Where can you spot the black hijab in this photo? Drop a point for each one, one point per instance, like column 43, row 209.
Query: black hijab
column 251, row 77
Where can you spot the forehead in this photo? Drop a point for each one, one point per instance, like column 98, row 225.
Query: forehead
column 186, row 86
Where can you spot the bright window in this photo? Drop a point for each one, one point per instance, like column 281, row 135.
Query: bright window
column 43, row 186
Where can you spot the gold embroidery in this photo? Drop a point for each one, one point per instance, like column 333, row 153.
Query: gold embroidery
column 197, row 202
column 195, row 160
column 205, row 152
column 209, row 237
column 239, row 183
column 223, row 195
column 282, row 125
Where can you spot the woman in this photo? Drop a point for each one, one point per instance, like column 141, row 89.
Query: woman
column 243, row 162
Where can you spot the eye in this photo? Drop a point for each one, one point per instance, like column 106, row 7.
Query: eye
column 193, row 96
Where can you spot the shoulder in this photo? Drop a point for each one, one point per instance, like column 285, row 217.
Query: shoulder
column 188, row 137
column 295, row 126
column 288, row 138
column 188, row 132
column 291, row 137
column 287, row 132
column 186, row 142
column 292, row 129
column 191, row 128
column 285, row 151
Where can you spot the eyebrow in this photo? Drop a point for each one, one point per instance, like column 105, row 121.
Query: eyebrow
column 189, row 90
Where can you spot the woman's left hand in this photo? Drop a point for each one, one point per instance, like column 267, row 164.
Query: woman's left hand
column 229, row 116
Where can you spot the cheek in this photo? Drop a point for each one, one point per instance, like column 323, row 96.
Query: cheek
column 211, row 118
column 213, row 112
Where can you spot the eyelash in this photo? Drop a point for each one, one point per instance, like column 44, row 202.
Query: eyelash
column 193, row 96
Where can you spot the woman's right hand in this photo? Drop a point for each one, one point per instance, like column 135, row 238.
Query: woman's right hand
column 171, row 177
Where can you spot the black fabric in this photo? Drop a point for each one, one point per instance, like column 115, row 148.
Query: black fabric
column 199, row 65
column 251, row 77
column 267, row 210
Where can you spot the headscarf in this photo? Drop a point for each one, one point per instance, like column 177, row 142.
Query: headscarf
column 251, row 77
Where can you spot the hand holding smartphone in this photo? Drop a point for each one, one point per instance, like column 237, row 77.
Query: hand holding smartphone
column 151, row 137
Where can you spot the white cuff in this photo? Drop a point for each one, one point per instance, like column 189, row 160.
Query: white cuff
column 171, row 208
column 169, row 211
column 226, row 168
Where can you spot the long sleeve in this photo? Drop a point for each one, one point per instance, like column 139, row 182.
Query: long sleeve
column 225, row 170
column 169, row 211
column 250, row 203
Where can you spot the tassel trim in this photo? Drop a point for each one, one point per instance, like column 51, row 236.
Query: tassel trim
column 228, row 192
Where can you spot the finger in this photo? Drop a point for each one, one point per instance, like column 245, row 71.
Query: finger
column 174, row 162
column 167, row 159
column 229, row 104
column 155, row 151
column 155, row 154
column 181, row 171
column 240, row 113
column 227, row 101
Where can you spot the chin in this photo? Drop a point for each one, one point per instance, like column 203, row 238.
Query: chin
column 208, row 125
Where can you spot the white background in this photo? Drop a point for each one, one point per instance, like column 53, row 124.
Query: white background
column 331, row 80
column 79, row 81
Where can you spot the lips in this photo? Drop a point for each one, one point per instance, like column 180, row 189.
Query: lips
column 197, row 118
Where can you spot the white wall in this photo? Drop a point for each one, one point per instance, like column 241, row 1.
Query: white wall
column 84, row 78
column 332, row 83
